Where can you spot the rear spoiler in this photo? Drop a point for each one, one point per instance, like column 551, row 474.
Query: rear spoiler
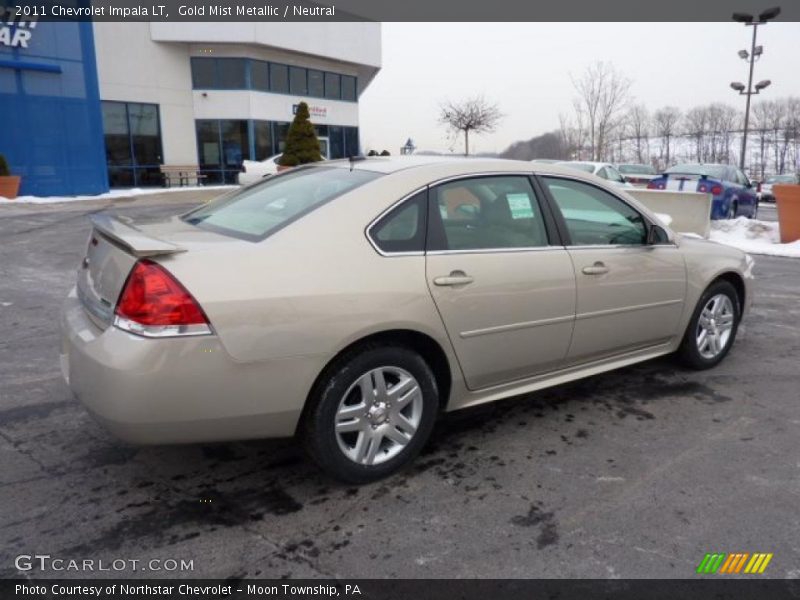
column 133, row 240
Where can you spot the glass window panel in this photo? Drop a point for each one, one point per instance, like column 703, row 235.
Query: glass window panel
column 231, row 73
column 281, row 131
column 489, row 212
column 204, row 73
column 259, row 210
column 208, row 149
column 235, row 143
column 117, row 139
column 403, row 229
column 259, row 75
column 332, row 86
column 145, row 133
column 348, row 88
column 263, row 141
column 316, row 83
column 336, row 141
column 351, row 141
column 594, row 216
column 297, row 81
column 279, row 78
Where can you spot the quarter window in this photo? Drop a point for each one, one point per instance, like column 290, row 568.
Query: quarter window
column 594, row 216
column 486, row 213
column 403, row 229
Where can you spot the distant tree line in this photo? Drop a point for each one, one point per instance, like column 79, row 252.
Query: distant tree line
column 607, row 125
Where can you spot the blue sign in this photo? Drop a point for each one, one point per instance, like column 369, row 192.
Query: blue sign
column 53, row 131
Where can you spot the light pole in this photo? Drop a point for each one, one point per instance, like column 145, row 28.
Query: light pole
column 755, row 51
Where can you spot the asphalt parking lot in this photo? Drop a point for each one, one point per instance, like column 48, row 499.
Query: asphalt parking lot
column 636, row 473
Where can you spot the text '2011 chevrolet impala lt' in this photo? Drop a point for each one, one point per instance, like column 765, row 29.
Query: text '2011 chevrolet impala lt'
column 349, row 303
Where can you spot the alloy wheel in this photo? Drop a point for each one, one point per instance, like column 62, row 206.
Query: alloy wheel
column 715, row 326
column 378, row 415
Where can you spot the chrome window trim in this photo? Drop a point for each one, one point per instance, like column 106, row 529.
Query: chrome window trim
column 443, row 180
column 494, row 250
column 368, row 228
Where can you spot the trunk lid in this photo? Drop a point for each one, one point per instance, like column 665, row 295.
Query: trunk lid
column 114, row 246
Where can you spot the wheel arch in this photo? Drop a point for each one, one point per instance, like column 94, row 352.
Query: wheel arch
column 737, row 281
column 426, row 346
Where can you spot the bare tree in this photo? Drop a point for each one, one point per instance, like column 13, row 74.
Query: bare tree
column 695, row 125
column 474, row 115
column 665, row 122
column 761, row 128
column 639, row 126
column 603, row 95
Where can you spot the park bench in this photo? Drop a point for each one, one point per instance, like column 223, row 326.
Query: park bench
column 182, row 174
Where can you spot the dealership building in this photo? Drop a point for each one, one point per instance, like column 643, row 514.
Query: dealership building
column 93, row 106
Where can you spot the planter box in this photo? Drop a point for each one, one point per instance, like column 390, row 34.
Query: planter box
column 788, row 200
column 9, row 186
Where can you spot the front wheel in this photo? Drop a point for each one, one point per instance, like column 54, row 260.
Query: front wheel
column 371, row 413
column 712, row 328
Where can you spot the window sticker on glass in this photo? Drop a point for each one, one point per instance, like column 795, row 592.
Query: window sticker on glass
column 520, row 205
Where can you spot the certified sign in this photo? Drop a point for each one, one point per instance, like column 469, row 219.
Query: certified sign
column 16, row 35
column 320, row 112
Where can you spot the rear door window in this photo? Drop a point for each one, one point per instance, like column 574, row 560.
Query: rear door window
column 484, row 213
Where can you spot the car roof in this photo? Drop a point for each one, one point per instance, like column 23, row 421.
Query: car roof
column 449, row 165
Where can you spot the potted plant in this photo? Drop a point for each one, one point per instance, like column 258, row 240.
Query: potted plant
column 302, row 145
column 787, row 197
column 9, row 184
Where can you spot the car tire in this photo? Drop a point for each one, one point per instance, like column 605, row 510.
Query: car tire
column 359, row 430
column 754, row 214
column 700, row 352
column 732, row 210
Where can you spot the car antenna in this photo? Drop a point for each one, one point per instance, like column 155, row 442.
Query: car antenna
column 353, row 160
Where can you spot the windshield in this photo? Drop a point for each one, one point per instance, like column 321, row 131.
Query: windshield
column 257, row 211
column 781, row 179
column 636, row 169
column 578, row 165
column 715, row 171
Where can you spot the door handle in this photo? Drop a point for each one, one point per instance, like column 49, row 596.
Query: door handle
column 597, row 268
column 455, row 278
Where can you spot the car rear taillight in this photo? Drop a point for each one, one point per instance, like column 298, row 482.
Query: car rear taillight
column 154, row 304
column 716, row 190
column 655, row 185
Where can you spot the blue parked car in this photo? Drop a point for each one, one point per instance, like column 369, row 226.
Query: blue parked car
column 732, row 192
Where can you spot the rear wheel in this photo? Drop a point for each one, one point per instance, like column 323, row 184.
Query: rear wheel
column 732, row 210
column 712, row 328
column 371, row 413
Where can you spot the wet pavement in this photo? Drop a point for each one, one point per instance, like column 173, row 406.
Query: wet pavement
column 635, row 473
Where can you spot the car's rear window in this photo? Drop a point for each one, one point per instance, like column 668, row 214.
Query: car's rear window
column 578, row 165
column 715, row 171
column 636, row 170
column 256, row 212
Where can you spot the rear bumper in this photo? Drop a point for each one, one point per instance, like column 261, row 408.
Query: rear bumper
column 179, row 390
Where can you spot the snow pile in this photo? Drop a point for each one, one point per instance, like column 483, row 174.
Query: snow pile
column 664, row 218
column 115, row 194
column 755, row 237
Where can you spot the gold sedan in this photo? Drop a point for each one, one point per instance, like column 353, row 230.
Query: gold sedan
column 351, row 302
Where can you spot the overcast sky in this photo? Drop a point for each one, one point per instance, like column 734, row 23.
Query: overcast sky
column 526, row 68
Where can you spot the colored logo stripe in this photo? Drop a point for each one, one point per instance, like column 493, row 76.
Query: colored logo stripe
column 710, row 563
column 721, row 562
column 758, row 563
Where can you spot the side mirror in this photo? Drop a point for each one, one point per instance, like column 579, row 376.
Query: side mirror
column 656, row 235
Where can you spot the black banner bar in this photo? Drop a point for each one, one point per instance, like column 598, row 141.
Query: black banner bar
column 708, row 587
column 386, row 10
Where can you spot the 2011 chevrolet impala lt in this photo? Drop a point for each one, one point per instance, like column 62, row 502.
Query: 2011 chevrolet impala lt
column 351, row 302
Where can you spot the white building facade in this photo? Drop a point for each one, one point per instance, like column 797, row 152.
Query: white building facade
column 215, row 94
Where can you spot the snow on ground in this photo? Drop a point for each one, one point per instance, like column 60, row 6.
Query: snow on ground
column 115, row 194
column 753, row 236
